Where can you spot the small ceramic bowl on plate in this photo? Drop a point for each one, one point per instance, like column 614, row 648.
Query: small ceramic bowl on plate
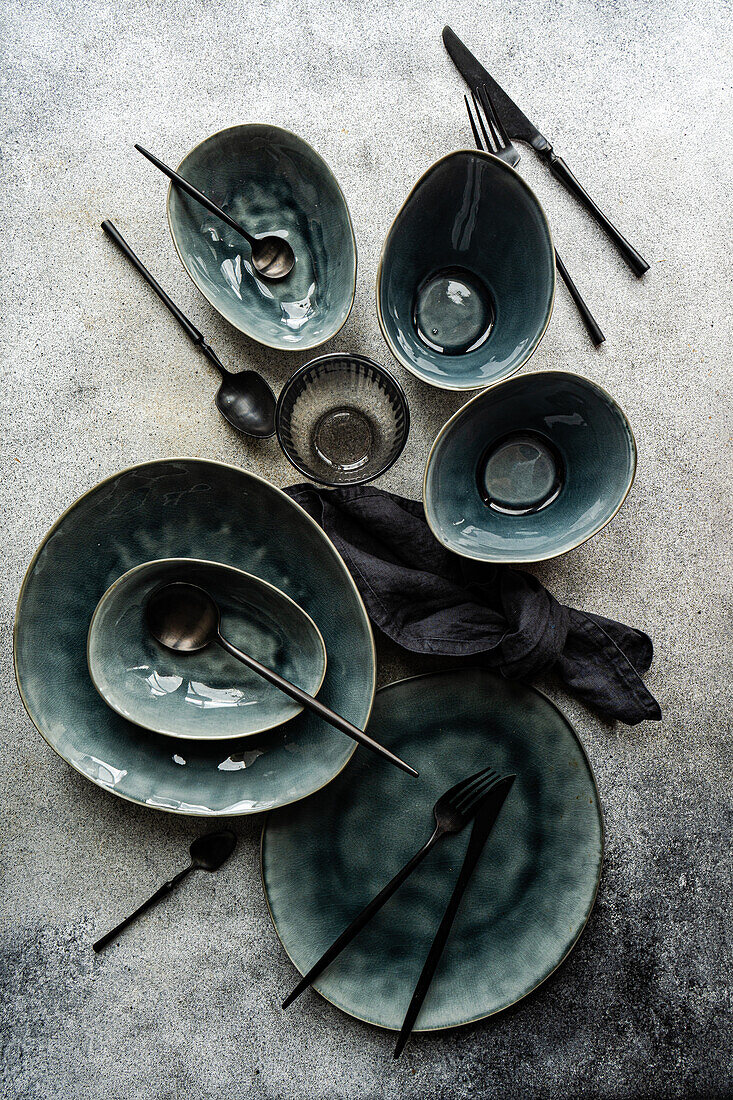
column 207, row 695
column 342, row 420
column 530, row 469
column 270, row 181
column 466, row 280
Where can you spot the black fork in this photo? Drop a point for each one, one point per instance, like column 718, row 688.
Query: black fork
column 493, row 138
column 452, row 812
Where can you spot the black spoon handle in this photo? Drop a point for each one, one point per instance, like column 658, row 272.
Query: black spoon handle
column 195, row 194
column 318, row 708
column 359, row 921
column 588, row 319
column 187, row 326
column 560, row 171
column 136, row 262
column 159, row 894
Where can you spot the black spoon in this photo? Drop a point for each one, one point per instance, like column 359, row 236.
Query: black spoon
column 208, row 852
column 186, row 618
column 244, row 399
column 272, row 257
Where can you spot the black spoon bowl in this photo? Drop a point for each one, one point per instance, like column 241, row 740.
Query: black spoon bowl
column 244, row 398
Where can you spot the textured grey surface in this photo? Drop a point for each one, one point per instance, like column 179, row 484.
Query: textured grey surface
column 96, row 376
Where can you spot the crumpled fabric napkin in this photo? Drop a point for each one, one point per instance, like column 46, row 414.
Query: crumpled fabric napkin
column 430, row 600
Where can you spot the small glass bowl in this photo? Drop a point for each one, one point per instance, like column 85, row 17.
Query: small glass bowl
column 342, row 420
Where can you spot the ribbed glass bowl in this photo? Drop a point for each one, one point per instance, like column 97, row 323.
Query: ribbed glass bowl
column 342, row 420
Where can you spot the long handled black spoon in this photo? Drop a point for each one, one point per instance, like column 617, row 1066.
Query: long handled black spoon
column 272, row 257
column 244, row 399
column 185, row 618
column 207, row 854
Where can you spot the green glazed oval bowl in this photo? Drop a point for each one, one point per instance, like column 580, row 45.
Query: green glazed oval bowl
column 470, row 212
column 207, row 695
column 531, row 893
column 594, row 455
column 188, row 508
column 270, row 181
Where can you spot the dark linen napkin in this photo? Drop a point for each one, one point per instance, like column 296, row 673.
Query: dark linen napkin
column 430, row 600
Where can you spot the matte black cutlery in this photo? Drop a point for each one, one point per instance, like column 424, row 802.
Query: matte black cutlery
column 244, row 398
column 484, row 823
column 519, row 128
column 272, row 256
column 495, row 140
column 208, row 852
column 452, row 812
column 186, row 618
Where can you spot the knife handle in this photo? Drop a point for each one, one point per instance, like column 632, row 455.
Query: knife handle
column 560, row 171
column 475, row 847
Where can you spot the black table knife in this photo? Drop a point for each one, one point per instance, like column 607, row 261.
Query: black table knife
column 519, row 127
column 482, row 826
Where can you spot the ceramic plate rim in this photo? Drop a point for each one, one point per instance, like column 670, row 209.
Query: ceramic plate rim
column 474, row 385
column 51, row 531
column 304, row 346
column 482, row 1016
column 528, row 559
column 243, row 572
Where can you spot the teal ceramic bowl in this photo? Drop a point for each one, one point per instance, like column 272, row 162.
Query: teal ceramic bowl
column 529, row 470
column 270, row 181
column 529, row 898
column 466, row 280
column 188, row 508
column 206, row 695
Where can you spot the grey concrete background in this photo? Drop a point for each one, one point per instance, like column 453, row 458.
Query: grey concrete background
column 96, row 376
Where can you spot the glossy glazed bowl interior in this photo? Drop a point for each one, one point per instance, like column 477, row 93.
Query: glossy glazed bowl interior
column 192, row 508
column 270, row 181
column 466, row 280
column 206, row 695
column 342, row 420
column 530, row 469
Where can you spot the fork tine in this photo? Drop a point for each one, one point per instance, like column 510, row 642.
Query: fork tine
column 476, row 795
column 489, row 777
column 493, row 115
column 490, row 114
column 465, row 785
column 476, row 134
column 489, row 147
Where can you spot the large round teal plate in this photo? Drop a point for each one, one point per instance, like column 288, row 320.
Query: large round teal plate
column 187, row 508
column 532, row 891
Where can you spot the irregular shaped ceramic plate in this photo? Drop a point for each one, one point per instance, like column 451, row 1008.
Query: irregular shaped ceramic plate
column 270, row 181
column 189, row 508
column 531, row 893
column 206, row 695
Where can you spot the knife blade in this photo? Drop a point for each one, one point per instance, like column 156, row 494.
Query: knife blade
column 520, row 128
column 482, row 826
column 515, row 121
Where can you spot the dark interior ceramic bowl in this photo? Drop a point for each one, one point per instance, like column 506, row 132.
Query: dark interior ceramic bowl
column 342, row 420
column 207, row 695
column 466, row 280
column 270, row 181
column 530, row 469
